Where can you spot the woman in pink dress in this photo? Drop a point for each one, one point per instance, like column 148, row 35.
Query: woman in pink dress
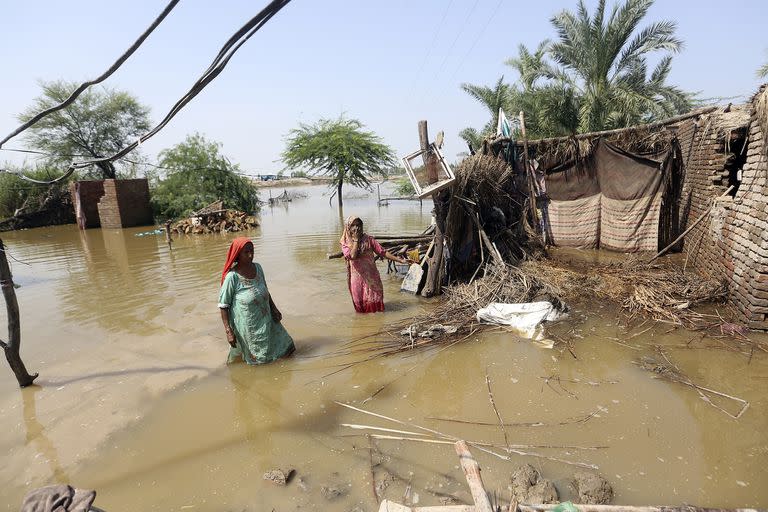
column 363, row 277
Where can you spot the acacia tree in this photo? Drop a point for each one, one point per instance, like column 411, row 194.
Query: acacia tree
column 197, row 174
column 339, row 148
column 99, row 123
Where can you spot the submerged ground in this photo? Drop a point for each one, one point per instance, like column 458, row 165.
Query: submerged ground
column 134, row 399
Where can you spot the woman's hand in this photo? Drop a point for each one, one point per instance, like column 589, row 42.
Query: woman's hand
column 231, row 338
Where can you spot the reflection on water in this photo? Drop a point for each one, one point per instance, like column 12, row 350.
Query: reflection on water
column 37, row 437
column 113, row 321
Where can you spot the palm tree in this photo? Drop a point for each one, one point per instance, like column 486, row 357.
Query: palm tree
column 492, row 98
column 604, row 60
column 763, row 71
column 593, row 77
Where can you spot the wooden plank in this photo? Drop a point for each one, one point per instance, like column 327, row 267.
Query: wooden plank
column 629, row 508
column 391, row 506
column 474, row 480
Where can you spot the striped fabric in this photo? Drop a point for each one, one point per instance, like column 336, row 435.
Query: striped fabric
column 575, row 223
column 612, row 200
column 630, row 226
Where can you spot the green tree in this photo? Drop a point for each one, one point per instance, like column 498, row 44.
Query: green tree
column 196, row 174
column 339, row 148
column 594, row 75
column 604, row 60
column 99, row 123
column 763, row 71
column 492, row 98
column 16, row 193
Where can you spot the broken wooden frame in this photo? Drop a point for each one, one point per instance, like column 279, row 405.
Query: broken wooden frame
column 418, row 174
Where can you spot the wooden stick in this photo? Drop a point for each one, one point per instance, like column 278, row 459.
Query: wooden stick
column 474, row 480
column 658, row 124
column 529, row 174
column 475, row 443
column 168, row 238
column 380, row 429
column 485, row 450
column 391, row 506
column 493, row 404
column 695, row 223
column 629, row 508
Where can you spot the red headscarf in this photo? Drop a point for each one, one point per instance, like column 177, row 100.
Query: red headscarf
column 234, row 251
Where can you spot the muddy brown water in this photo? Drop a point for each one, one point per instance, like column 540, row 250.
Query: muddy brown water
column 135, row 401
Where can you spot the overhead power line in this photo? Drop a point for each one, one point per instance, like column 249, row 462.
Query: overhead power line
column 217, row 66
column 119, row 62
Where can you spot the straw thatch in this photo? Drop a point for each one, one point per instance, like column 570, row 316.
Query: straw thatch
column 488, row 204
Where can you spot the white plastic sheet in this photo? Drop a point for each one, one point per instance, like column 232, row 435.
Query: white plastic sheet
column 524, row 317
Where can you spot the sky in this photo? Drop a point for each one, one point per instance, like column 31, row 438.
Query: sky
column 388, row 64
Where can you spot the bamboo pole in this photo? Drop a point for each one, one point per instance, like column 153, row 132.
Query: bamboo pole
column 388, row 244
column 13, row 345
column 695, row 223
column 474, row 480
column 529, row 174
column 650, row 126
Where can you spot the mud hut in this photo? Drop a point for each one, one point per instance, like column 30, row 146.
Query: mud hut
column 703, row 175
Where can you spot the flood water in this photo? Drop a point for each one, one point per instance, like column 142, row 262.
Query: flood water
column 134, row 399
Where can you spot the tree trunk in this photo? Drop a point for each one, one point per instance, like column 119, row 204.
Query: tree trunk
column 338, row 192
column 108, row 170
column 14, row 327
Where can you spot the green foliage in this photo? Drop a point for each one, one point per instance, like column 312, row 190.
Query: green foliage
column 593, row 77
column 299, row 174
column 15, row 193
column 196, row 174
column 340, row 149
column 404, row 187
column 99, row 123
column 763, row 71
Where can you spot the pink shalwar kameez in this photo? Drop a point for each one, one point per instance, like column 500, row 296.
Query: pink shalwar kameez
column 363, row 277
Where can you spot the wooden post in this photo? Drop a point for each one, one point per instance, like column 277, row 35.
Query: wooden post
column 695, row 223
column 14, row 326
column 168, row 234
column 472, row 474
column 432, row 284
column 529, row 174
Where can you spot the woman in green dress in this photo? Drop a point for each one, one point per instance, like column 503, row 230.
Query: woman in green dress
column 251, row 319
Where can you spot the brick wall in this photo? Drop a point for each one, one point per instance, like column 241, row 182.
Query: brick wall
column 109, row 210
column 114, row 203
column 133, row 200
column 731, row 243
column 90, row 194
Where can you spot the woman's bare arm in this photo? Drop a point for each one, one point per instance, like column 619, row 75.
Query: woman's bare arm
column 227, row 327
column 277, row 316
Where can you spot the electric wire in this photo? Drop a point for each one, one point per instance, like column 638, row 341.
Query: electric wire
column 119, row 62
column 216, row 67
column 450, row 49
